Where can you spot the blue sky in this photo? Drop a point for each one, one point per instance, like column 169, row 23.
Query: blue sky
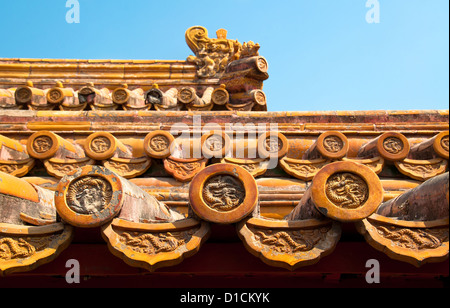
column 322, row 54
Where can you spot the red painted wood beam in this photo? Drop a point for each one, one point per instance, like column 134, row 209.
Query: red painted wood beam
column 232, row 259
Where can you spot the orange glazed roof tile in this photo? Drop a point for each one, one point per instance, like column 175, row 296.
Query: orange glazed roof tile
column 175, row 169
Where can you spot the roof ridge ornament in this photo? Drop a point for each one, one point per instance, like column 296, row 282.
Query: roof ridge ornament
column 221, row 34
column 213, row 55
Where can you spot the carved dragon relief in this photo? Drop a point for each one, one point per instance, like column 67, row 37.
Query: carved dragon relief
column 89, row 195
column 255, row 166
column 422, row 170
column 413, row 227
column 213, row 55
column 17, row 167
column 302, row 169
column 14, row 158
column 15, row 248
column 60, row 167
column 155, row 245
column 413, row 242
column 393, row 145
column 152, row 243
column 214, row 143
column 159, row 143
column 305, row 235
column 290, row 241
column 184, row 169
column 128, row 167
column 147, row 234
column 445, row 143
column 375, row 163
column 333, row 144
column 138, row 228
column 416, row 239
column 29, row 233
column 42, row 144
column 223, row 192
column 19, row 247
column 347, row 190
column 64, row 162
column 25, row 252
column 330, row 146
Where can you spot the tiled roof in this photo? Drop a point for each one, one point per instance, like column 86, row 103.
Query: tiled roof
column 158, row 155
